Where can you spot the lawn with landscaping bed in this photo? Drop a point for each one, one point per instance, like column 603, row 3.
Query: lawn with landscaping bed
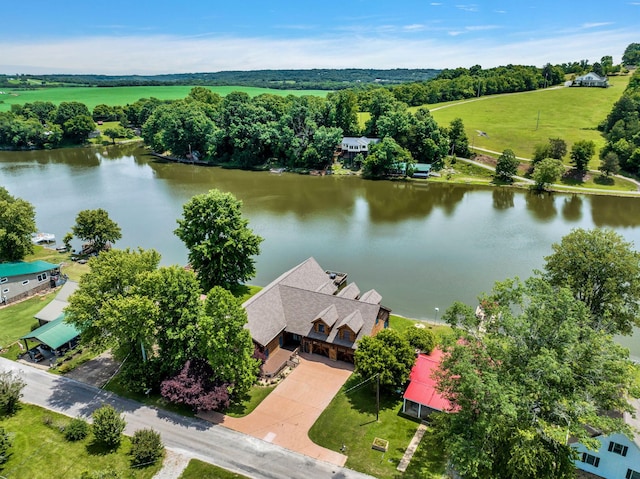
column 40, row 450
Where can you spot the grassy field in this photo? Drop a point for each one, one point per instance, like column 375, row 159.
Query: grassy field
column 511, row 121
column 113, row 96
column 40, row 451
column 72, row 269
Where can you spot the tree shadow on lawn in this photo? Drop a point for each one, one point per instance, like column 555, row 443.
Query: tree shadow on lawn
column 363, row 398
column 604, row 180
column 96, row 448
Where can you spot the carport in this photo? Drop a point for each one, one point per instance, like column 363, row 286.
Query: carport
column 55, row 335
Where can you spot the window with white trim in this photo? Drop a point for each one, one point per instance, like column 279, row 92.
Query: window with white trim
column 631, row 474
column 590, row 459
column 4, row 280
column 42, row 277
column 25, row 282
column 618, row 449
column 5, row 290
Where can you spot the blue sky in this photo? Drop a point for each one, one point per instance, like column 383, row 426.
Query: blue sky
column 150, row 37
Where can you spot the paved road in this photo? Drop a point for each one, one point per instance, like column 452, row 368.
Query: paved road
column 193, row 437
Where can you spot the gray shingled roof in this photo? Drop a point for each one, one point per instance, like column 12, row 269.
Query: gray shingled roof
column 371, row 296
column 350, row 291
column 55, row 308
column 297, row 298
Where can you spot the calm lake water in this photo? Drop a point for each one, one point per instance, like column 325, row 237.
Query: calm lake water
column 421, row 245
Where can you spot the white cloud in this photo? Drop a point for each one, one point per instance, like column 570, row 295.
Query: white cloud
column 416, row 27
column 167, row 54
column 468, row 8
column 596, row 24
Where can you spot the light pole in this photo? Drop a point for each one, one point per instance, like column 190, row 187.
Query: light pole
column 437, row 310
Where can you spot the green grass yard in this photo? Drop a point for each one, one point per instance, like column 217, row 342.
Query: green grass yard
column 201, row 470
column 18, row 319
column 120, row 96
column 40, row 450
column 350, row 419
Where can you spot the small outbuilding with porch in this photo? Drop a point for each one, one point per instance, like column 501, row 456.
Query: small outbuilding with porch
column 421, row 397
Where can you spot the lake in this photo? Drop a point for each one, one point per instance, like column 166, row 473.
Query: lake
column 421, row 245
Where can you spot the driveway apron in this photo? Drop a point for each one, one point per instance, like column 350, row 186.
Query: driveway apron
column 286, row 415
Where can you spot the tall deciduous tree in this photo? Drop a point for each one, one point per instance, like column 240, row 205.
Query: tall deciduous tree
column 225, row 342
column 603, row 271
column 386, row 158
column 533, row 375
column 17, row 223
column 546, row 172
column 387, row 354
column 113, row 276
column 507, row 165
column 97, row 228
column 458, row 138
column 581, row 153
column 610, row 164
column 631, row 55
column 220, row 243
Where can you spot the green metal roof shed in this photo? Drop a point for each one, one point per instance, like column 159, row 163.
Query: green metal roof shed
column 20, row 268
column 54, row 334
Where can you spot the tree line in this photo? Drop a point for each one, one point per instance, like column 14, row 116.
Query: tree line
column 621, row 129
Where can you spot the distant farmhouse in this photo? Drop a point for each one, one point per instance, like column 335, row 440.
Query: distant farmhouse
column 591, row 80
column 21, row 279
column 315, row 311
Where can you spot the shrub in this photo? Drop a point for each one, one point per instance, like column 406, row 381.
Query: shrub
column 421, row 339
column 108, row 425
column 11, row 386
column 76, row 430
column 193, row 386
column 146, row 447
column 5, row 445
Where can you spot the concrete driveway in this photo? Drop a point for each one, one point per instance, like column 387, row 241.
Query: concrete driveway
column 286, row 415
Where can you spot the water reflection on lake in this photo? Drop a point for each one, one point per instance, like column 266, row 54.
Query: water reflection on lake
column 421, row 245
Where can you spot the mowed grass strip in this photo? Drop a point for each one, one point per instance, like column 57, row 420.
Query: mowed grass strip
column 40, row 450
column 201, row 470
column 120, row 96
column 521, row 121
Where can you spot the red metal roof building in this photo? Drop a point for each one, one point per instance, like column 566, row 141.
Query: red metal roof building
column 421, row 397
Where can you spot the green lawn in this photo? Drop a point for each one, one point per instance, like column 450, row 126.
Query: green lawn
column 40, row 450
column 72, row 269
column 202, row 470
column 114, row 96
column 511, row 121
column 250, row 401
column 350, row 419
column 17, row 320
column 400, row 323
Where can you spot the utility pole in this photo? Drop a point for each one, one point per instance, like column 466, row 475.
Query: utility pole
column 377, row 396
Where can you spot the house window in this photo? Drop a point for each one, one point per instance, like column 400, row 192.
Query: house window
column 4, row 280
column 320, row 328
column 25, row 282
column 42, row 277
column 631, row 474
column 5, row 290
column 346, row 334
column 618, row 449
column 590, row 459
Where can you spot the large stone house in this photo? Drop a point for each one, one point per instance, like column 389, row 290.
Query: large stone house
column 21, row 279
column 314, row 310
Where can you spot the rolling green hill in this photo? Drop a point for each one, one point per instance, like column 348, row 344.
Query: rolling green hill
column 92, row 96
column 520, row 121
